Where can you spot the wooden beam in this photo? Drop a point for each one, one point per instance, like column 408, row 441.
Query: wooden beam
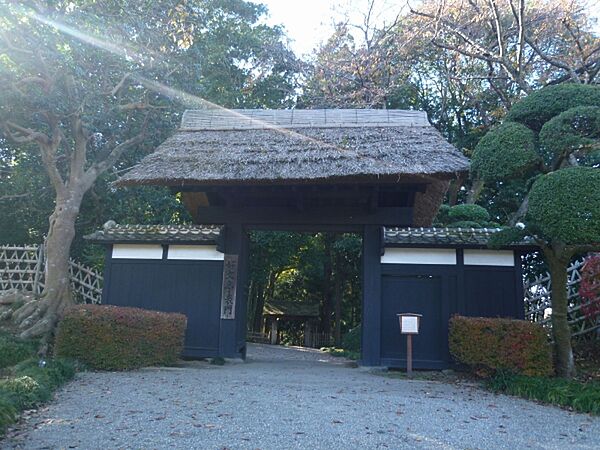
column 309, row 216
column 315, row 187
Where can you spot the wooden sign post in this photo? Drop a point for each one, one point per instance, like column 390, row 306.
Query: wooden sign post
column 409, row 325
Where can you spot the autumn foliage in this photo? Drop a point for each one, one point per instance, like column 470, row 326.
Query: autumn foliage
column 589, row 288
column 118, row 338
column 487, row 345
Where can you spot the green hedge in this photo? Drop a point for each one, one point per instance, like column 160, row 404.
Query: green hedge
column 583, row 397
column 118, row 338
column 29, row 385
column 487, row 345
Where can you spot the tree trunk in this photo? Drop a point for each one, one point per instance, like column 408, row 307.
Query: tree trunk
column 259, row 306
column 563, row 352
column 327, row 290
column 337, row 295
column 520, row 212
column 453, row 190
column 475, row 191
column 38, row 318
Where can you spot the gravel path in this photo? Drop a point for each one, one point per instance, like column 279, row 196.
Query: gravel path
column 287, row 398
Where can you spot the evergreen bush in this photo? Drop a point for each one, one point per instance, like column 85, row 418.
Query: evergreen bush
column 468, row 213
column 351, row 340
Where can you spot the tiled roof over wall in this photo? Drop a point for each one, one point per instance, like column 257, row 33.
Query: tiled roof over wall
column 476, row 237
column 114, row 233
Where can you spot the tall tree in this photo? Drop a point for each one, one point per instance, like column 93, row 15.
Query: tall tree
column 548, row 139
column 463, row 62
column 513, row 39
column 86, row 81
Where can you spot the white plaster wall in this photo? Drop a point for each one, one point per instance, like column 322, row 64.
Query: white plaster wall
column 395, row 255
column 504, row 258
column 195, row 252
column 137, row 251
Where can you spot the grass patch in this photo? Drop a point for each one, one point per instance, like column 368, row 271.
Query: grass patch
column 25, row 383
column 14, row 350
column 334, row 351
column 573, row 394
column 30, row 385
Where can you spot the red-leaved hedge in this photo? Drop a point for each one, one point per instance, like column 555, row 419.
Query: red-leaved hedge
column 119, row 338
column 487, row 345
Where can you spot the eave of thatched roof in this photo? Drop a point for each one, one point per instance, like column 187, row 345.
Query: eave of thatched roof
column 274, row 146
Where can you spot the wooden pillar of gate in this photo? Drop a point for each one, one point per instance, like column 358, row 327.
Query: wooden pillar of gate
column 232, row 330
column 371, row 317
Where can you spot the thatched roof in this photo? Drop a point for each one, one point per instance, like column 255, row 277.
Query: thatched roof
column 253, row 146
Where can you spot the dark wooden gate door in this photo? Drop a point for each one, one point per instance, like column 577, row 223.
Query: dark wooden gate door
column 421, row 294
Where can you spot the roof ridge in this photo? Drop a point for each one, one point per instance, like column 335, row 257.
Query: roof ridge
column 247, row 119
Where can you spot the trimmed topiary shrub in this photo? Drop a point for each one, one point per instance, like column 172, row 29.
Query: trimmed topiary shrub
column 535, row 110
column 570, row 131
column 565, row 205
column 487, row 345
column 118, row 338
column 507, row 151
column 468, row 212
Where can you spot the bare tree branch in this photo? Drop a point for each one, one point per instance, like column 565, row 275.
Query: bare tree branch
column 552, row 61
column 11, row 197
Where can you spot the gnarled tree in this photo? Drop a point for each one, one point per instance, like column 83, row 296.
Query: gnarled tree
column 85, row 81
column 56, row 92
